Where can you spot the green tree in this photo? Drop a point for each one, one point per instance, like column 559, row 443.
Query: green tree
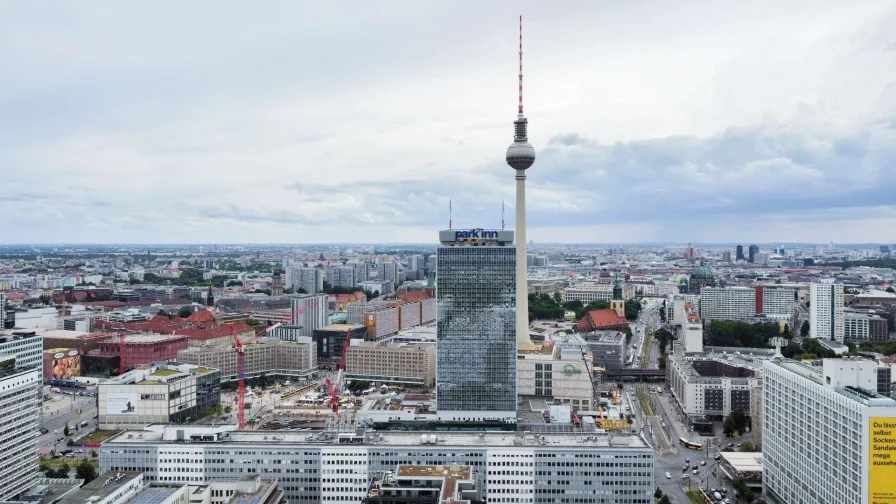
column 70, row 442
column 61, row 471
column 891, row 290
column 628, row 333
column 730, row 333
column 663, row 337
column 665, row 500
column 253, row 322
column 728, row 427
column 747, row 447
column 45, row 299
column 65, row 431
column 804, row 329
column 739, row 420
column 301, row 291
column 288, row 291
column 43, row 465
column 227, row 410
column 234, row 283
column 185, row 311
column 632, row 309
column 85, row 471
column 661, row 361
column 557, row 299
column 658, row 494
column 134, row 281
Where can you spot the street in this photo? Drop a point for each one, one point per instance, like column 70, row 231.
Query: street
column 62, row 409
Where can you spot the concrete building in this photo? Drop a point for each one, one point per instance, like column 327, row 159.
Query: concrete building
column 675, row 303
column 775, row 300
column 388, row 272
column 310, row 312
column 408, row 315
column 864, row 326
column 423, row 484
column 338, row 467
column 331, row 340
column 747, row 465
column 560, row 371
column 271, row 357
column 827, row 436
column 428, row 310
column 139, row 349
column 712, row 385
column 396, row 363
column 477, row 329
column 382, row 322
column 26, row 346
column 826, row 311
column 114, row 487
column 727, row 303
column 158, row 393
column 587, row 292
column 310, row 280
column 340, row 276
column 20, row 417
column 692, row 330
column 362, row 271
column 607, row 349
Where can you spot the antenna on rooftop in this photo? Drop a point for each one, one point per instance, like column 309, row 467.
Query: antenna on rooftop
column 449, row 214
column 502, row 215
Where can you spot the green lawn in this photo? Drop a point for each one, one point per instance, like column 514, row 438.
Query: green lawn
column 165, row 372
column 54, row 463
column 695, row 497
column 98, row 436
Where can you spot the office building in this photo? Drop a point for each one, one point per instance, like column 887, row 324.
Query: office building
column 388, row 272
column 362, row 271
column 739, row 253
column 26, row 346
column 276, row 284
column 340, row 276
column 864, row 326
column 476, row 327
column 425, row 484
column 310, row 312
column 713, row 386
column 20, row 417
column 727, row 303
column 827, row 435
column 607, row 348
column 158, row 393
column 775, row 300
column 691, row 332
column 751, row 254
column 587, row 293
column 111, row 488
column 558, row 371
column 331, row 340
column 826, row 311
column 272, row 357
column 382, row 321
column 404, row 364
column 338, row 467
column 7, row 315
column 137, row 349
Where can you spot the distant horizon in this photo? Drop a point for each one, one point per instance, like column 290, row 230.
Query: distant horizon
column 436, row 244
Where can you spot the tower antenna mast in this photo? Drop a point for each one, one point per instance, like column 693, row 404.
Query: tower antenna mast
column 449, row 214
column 502, row 215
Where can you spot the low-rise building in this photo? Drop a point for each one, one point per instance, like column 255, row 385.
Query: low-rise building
column 396, row 363
column 602, row 320
column 331, row 340
column 864, row 326
column 587, row 292
column 607, row 349
column 158, row 393
column 270, row 357
column 135, row 350
column 426, row 484
column 557, row 371
column 746, row 465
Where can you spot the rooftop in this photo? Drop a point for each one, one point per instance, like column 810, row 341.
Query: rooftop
column 154, row 434
column 106, row 484
column 451, row 475
column 744, row 461
column 816, row 374
column 156, row 494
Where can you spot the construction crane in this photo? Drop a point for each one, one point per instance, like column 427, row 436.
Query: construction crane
column 241, row 363
column 334, row 388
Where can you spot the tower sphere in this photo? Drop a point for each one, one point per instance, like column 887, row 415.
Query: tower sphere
column 520, row 155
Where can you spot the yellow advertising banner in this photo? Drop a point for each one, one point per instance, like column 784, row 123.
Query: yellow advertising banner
column 882, row 461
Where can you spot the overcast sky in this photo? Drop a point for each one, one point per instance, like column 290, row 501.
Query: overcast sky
column 313, row 122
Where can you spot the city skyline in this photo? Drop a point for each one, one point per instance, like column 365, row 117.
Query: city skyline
column 153, row 131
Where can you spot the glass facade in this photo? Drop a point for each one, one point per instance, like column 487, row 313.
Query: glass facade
column 476, row 331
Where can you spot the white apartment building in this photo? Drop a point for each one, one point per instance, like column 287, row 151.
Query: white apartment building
column 315, row 468
column 409, row 314
column 395, row 363
column 311, row 280
column 340, row 276
column 19, row 414
column 559, row 371
column 826, row 311
column 314, row 312
column 27, row 346
column 827, row 435
column 266, row 356
column 713, row 385
column 675, row 307
column 388, row 272
column 727, row 303
column 776, row 300
column 587, row 292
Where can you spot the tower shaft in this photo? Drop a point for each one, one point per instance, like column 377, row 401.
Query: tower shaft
column 523, row 342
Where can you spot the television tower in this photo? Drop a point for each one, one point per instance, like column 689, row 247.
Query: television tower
column 520, row 156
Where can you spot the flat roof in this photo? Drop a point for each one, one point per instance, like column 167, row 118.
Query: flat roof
column 102, row 487
column 450, row 474
column 156, row 494
column 154, row 436
column 744, row 461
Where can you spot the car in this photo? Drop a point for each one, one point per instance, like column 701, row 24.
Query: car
column 684, row 476
column 687, row 461
column 695, row 471
column 668, row 476
column 730, row 445
column 739, row 445
column 694, row 468
column 717, row 456
column 703, row 462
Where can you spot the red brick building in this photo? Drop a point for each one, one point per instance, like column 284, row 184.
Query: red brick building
column 601, row 320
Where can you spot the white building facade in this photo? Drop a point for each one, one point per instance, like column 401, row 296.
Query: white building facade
column 588, row 292
column 826, row 311
column 20, row 417
column 314, row 313
column 727, row 303
column 827, row 437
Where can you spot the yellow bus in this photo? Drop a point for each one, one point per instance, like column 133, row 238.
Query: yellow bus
column 689, row 444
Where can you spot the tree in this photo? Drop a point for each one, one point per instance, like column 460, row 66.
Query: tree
column 253, row 322
column 70, row 442
column 747, row 447
column 661, row 361
column 728, row 427
column 804, row 329
column 288, row 291
column 786, row 332
column 227, row 410
column 234, row 283
column 301, row 291
column 185, row 311
column 557, row 298
column 134, row 281
column 658, row 494
column 45, row 299
column 61, row 471
column 628, row 333
column 663, row 337
column 632, row 309
column 740, row 420
column 65, row 431
column 891, row 290
column 665, row 500
column 85, row 471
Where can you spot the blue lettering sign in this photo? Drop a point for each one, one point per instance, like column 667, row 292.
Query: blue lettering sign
column 475, row 234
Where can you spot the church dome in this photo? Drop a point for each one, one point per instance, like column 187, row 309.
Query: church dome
column 702, row 272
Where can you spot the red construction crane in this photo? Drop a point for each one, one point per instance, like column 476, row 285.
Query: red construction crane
column 241, row 363
column 334, row 388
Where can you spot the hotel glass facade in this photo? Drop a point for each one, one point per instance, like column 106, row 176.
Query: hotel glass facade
column 476, row 334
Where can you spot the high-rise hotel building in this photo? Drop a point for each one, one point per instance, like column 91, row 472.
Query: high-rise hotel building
column 828, row 435
column 476, row 333
column 826, row 311
column 20, row 417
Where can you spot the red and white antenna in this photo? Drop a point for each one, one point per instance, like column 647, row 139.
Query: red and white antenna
column 521, row 66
